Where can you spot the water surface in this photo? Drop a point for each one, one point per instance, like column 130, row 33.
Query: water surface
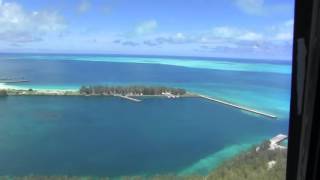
column 250, row 83
column 107, row 136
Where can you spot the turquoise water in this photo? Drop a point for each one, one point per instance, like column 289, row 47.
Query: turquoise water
column 104, row 136
column 259, row 84
column 221, row 64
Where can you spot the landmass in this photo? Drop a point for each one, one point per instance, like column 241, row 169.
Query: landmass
column 131, row 90
column 127, row 92
column 102, row 91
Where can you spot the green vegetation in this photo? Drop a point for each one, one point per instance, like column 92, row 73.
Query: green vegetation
column 130, row 90
column 253, row 165
column 249, row 165
column 3, row 93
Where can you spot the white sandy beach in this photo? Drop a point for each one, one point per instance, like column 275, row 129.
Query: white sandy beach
column 38, row 90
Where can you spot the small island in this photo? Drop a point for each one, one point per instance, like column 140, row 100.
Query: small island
column 99, row 90
column 131, row 90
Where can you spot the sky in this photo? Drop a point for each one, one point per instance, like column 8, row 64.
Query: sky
column 258, row 29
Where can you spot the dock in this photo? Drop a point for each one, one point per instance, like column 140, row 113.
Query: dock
column 238, row 106
column 169, row 95
column 275, row 142
column 278, row 139
column 127, row 97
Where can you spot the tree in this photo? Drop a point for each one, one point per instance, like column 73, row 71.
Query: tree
column 129, row 90
column 3, row 92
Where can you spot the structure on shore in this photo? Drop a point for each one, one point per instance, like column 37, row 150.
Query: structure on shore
column 275, row 142
column 238, row 106
column 130, row 90
column 169, row 95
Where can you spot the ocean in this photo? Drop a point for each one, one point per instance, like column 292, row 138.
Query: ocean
column 107, row 136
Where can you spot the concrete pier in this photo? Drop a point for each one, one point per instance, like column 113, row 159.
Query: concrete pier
column 275, row 142
column 127, row 97
column 238, row 106
column 278, row 139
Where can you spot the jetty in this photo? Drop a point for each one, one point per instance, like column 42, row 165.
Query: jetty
column 278, row 139
column 127, row 97
column 238, row 106
column 275, row 142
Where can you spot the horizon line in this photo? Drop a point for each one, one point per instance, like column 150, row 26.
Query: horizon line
column 148, row 55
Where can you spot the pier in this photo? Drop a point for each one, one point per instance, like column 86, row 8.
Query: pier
column 127, row 97
column 278, row 139
column 238, row 106
column 275, row 142
column 169, row 95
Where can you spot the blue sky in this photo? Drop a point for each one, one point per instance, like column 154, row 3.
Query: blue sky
column 215, row 28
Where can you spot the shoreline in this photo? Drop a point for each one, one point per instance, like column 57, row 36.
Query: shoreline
column 18, row 91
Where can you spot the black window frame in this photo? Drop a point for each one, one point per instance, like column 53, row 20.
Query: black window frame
column 304, row 126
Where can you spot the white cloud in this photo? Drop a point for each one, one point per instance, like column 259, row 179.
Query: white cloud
column 18, row 25
column 84, row 6
column 180, row 36
column 223, row 36
column 226, row 39
column 255, row 7
column 225, row 32
column 274, row 40
column 283, row 36
column 283, row 32
column 250, row 36
column 264, row 8
column 289, row 23
column 146, row 27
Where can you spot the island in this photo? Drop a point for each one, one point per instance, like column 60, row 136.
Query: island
column 128, row 92
column 100, row 90
column 131, row 90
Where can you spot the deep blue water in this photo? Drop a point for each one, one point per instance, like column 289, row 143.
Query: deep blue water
column 110, row 136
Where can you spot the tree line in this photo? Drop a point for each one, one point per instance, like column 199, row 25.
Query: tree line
column 3, row 92
column 130, row 90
